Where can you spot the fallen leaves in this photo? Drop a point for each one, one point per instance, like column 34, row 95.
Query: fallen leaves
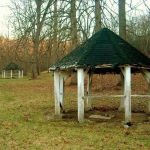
column 24, row 127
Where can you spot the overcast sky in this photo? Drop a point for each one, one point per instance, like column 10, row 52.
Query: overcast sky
column 4, row 12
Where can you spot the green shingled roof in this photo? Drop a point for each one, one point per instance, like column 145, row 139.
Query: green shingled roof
column 12, row 66
column 103, row 48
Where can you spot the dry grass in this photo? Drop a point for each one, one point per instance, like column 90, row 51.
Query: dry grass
column 24, row 104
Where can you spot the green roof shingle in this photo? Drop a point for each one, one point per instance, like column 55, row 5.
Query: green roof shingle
column 12, row 66
column 104, row 47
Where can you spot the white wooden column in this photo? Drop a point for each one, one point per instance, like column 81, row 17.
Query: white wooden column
column 61, row 94
column 63, row 75
column 11, row 72
column 146, row 75
column 4, row 74
column 22, row 74
column 121, row 107
column 127, row 93
column 19, row 74
column 59, row 78
column 56, row 92
column 80, row 73
column 89, row 91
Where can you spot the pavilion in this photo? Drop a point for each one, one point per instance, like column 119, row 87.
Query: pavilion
column 104, row 52
column 12, row 67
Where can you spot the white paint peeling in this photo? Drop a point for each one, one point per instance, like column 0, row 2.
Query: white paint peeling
column 80, row 73
column 127, row 93
column 89, row 91
column 56, row 92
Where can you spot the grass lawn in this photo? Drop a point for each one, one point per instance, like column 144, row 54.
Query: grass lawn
column 25, row 106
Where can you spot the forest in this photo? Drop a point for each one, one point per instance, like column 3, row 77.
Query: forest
column 44, row 31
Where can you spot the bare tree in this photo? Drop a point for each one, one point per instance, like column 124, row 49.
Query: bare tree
column 97, row 16
column 36, row 16
column 40, row 18
column 74, row 38
column 73, row 24
column 139, row 32
column 122, row 19
column 54, row 54
column 55, row 25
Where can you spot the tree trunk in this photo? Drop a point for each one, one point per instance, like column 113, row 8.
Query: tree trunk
column 33, row 70
column 40, row 18
column 97, row 28
column 122, row 25
column 73, row 25
column 55, row 54
column 97, row 15
column 73, row 35
column 122, row 19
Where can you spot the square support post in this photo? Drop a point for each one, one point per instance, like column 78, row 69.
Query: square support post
column 146, row 75
column 121, row 107
column 22, row 74
column 19, row 74
column 4, row 74
column 89, row 91
column 127, row 93
column 56, row 93
column 11, row 74
column 61, row 96
column 63, row 75
column 59, row 79
column 80, row 73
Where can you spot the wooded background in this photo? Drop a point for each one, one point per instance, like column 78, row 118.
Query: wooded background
column 44, row 31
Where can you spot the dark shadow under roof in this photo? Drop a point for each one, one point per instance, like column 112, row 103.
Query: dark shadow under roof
column 103, row 48
column 12, row 66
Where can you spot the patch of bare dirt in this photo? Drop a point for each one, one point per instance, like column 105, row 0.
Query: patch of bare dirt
column 110, row 85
